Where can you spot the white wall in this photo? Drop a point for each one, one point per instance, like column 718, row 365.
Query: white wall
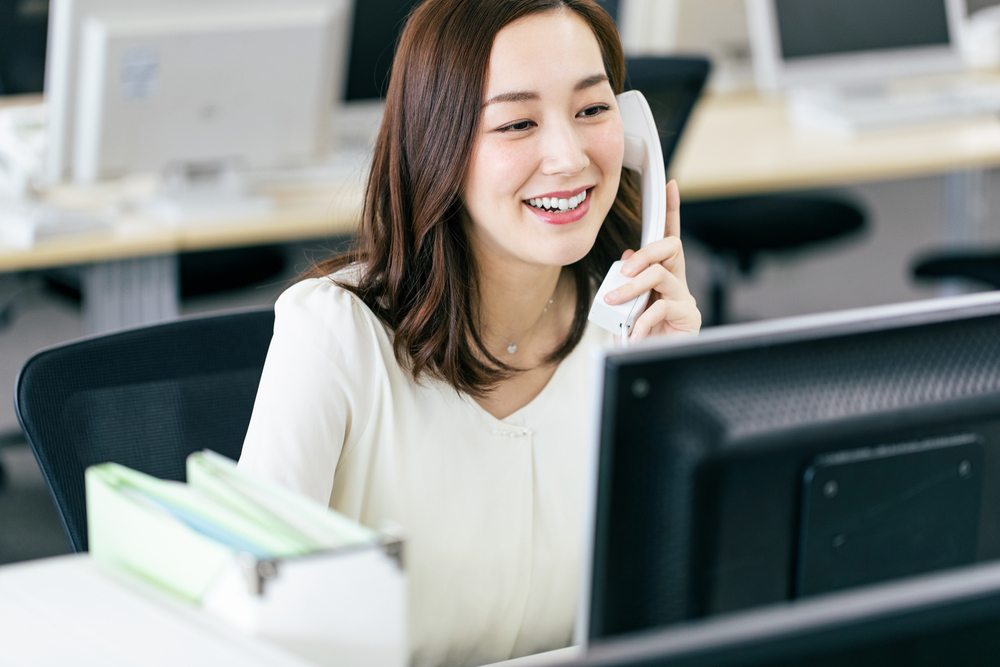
column 716, row 28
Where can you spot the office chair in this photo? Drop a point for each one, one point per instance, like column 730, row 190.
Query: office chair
column 737, row 231
column 982, row 266
column 144, row 397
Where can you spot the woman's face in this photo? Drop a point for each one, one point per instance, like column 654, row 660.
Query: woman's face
column 548, row 157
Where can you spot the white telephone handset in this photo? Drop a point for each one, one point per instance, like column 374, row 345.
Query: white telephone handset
column 642, row 154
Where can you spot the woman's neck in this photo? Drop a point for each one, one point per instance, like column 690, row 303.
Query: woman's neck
column 522, row 311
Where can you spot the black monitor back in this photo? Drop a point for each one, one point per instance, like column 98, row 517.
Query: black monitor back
column 767, row 462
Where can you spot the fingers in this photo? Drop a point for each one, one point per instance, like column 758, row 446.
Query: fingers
column 667, row 317
column 655, row 277
column 668, row 252
column 659, row 266
column 673, row 226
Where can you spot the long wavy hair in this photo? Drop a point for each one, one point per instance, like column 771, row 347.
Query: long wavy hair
column 417, row 270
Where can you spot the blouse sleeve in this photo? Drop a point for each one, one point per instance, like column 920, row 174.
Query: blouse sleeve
column 315, row 393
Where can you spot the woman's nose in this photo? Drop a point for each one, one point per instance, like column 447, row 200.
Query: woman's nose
column 564, row 151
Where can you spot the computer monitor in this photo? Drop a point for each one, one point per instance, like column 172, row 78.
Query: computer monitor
column 808, row 42
column 22, row 46
column 137, row 85
column 933, row 621
column 765, row 462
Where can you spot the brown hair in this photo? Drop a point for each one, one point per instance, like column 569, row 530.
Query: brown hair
column 419, row 275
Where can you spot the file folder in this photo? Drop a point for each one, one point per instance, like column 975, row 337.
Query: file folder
column 266, row 560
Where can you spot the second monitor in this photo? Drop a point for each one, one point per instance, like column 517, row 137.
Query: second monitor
column 767, row 462
column 810, row 42
column 194, row 84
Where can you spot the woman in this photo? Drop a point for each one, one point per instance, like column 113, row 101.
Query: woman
column 438, row 377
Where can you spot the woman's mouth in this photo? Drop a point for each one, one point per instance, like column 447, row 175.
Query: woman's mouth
column 556, row 205
column 560, row 210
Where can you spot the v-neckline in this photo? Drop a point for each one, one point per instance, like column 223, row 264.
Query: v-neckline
column 543, row 396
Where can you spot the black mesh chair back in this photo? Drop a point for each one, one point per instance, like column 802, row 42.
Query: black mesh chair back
column 145, row 398
column 672, row 86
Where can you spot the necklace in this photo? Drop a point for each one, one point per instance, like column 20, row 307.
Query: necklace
column 512, row 346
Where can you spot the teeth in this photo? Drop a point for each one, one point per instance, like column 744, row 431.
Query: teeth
column 554, row 204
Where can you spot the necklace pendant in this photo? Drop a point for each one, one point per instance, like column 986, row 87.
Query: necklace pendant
column 512, row 348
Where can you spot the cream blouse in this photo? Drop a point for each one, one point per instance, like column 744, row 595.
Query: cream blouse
column 492, row 509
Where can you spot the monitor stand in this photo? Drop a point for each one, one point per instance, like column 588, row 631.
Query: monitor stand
column 215, row 191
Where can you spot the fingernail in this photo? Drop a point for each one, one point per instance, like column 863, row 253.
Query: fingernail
column 628, row 268
column 611, row 296
column 633, row 338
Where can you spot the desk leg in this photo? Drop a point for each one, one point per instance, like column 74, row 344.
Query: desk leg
column 966, row 210
column 130, row 292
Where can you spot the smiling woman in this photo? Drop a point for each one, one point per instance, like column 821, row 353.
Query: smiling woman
column 437, row 377
column 452, row 108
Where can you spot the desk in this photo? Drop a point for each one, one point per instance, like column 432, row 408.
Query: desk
column 735, row 144
column 72, row 610
column 743, row 143
column 129, row 276
column 66, row 611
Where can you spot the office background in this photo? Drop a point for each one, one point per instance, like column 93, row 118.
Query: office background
column 905, row 219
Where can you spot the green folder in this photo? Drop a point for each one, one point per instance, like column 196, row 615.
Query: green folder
column 181, row 536
column 280, row 509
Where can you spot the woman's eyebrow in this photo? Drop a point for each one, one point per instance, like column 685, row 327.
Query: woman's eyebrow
column 527, row 95
column 589, row 81
column 516, row 96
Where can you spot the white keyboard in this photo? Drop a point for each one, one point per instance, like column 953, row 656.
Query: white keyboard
column 23, row 223
column 849, row 112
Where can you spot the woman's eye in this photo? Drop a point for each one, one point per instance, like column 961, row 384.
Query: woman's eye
column 519, row 126
column 595, row 110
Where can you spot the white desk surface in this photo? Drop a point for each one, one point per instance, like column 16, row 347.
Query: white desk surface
column 65, row 611
column 744, row 143
column 308, row 210
column 71, row 610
